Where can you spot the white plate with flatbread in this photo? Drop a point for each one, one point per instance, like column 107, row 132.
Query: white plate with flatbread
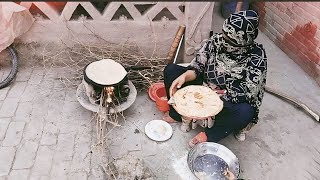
column 197, row 102
column 158, row 130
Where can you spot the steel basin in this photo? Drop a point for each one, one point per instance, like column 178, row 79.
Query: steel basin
column 213, row 159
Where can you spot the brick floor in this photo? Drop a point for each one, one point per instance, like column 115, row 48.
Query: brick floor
column 45, row 134
column 39, row 139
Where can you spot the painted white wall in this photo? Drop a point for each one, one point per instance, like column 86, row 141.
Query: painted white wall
column 151, row 36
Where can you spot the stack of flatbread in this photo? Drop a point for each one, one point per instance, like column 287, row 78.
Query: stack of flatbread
column 197, row 102
column 105, row 72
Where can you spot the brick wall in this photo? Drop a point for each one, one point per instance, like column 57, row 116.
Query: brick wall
column 295, row 28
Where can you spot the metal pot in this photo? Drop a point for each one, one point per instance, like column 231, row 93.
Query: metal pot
column 121, row 89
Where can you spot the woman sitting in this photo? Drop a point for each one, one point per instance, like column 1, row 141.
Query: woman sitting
column 229, row 61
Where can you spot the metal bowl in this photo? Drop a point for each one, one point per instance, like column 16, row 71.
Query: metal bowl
column 209, row 160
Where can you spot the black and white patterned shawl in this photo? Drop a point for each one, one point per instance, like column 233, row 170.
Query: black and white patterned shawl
column 240, row 66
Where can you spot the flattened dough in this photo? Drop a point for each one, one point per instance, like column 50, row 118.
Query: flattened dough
column 106, row 72
column 197, row 101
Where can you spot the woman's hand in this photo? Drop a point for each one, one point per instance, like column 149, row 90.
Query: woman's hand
column 189, row 75
column 220, row 92
column 177, row 83
column 229, row 175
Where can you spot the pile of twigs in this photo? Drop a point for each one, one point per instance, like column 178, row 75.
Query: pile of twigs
column 80, row 55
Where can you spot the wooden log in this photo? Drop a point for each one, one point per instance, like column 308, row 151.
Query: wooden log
column 295, row 102
column 175, row 43
column 178, row 50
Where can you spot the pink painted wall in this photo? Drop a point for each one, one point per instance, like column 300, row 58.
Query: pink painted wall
column 295, row 28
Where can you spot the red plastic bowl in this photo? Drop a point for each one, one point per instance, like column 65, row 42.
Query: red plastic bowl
column 153, row 88
column 161, row 93
column 161, row 99
column 157, row 93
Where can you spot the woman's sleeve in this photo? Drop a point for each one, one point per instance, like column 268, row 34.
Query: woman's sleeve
column 256, row 86
column 248, row 86
column 201, row 58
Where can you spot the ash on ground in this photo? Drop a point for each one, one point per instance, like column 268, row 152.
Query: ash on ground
column 129, row 167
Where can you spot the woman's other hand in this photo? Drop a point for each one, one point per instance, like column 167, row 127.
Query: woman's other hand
column 229, row 175
column 220, row 92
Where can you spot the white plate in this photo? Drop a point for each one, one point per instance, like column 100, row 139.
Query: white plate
column 158, row 130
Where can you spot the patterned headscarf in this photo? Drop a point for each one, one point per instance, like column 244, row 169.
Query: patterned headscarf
column 241, row 28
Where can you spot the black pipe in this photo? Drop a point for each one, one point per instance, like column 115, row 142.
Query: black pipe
column 137, row 68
